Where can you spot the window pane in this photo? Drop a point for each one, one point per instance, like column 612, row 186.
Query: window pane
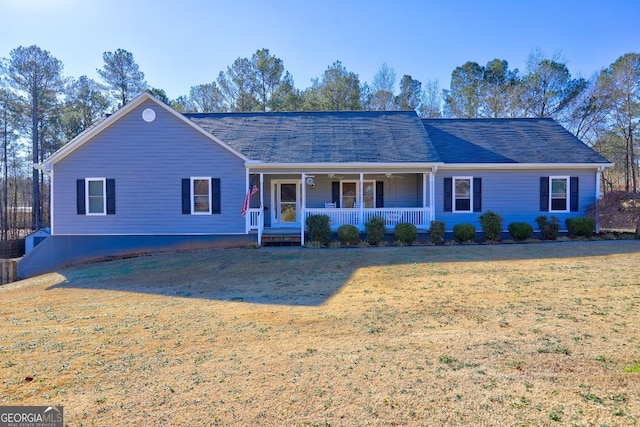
column 288, row 192
column 95, row 188
column 463, row 188
column 558, row 204
column 201, row 187
column 96, row 196
column 348, row 194
column 463, row 194
column 369, row 190
column 463, row 204
column 201, row 195
column 559, row 188
column 201, row 204
column 96, row 205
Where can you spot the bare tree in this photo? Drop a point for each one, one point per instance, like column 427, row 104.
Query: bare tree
column 383, row 88
column 619, row 85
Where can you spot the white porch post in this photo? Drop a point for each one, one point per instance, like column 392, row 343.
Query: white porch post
column 302, row 208
column 261, row 214
column 598, row 177
column 247, row 217
column 424, row 195
column 361, row 201
column 432, row 190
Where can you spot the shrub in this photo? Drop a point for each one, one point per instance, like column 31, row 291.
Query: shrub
column 374, row 229
column 491, row 224
column 348, row 234
column 314, row 244
column 437, row 231
column 464, row 232
column 549, row 228
column 581, row 226
column 406, row 232
column 520, row 230
column 318, row 228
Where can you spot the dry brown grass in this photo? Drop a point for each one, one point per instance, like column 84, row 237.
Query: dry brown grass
column 535, row 334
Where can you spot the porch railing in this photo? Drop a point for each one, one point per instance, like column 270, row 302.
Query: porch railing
column 420, row 217
column 255, row 221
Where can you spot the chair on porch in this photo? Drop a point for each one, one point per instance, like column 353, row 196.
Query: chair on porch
column 330, row 205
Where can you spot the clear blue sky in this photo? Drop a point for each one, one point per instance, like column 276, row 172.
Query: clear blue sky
column 179, row 44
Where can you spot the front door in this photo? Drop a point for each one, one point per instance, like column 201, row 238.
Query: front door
column 287, row 204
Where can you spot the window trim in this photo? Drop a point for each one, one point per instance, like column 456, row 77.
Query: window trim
column 357, row 195
column 453, row 194
column 87, row 197
column 567, row 197
column 193, row 195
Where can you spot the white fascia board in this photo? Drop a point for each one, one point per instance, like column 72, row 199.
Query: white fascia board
column 354, row 166
column 523, row 166
column 134, row 103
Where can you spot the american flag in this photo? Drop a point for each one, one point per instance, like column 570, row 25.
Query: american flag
column 253, row 189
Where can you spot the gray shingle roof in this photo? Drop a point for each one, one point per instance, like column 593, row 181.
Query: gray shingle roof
column 393, row 137
column 322, row 137
column 531, row 140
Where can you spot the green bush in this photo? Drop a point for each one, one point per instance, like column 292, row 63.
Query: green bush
column 549, row 228
column 520, row 230
column 348, row 234
column 491, row 224
column 464, row 232
column 437, row 231
column 318, row 228
column 374, row 230
column 580, row 227
column 406, row 232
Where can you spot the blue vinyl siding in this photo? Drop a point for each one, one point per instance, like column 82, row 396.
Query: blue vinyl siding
column 148, row 162
column 514, row 194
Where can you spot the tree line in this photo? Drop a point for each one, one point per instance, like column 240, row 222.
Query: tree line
column 41, row 109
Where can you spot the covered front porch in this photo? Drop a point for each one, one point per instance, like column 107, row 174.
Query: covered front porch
column 284, row 200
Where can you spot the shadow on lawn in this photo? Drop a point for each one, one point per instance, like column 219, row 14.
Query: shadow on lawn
column 294, row 275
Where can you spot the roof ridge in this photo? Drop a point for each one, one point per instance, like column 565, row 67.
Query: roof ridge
column 282, row 113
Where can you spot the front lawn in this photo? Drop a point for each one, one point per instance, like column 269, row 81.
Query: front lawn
column 536, row 334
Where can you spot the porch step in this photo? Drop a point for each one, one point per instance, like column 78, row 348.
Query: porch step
column 280, row 240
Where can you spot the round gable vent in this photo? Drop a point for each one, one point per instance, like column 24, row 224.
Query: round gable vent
column 148, row 115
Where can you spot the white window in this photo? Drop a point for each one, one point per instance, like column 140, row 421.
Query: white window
column 559, row 191
column 350, row 194
column 462, row 194
column 96, row 196
column 201, row 195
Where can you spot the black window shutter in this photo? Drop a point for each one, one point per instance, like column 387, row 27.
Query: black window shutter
column 186, row 196
column 215, row 196
column 477, row 194
column 111, row 196
column 335, row 193
column 80, row 206
column 448, row 201
column 544, row 194
column 574, row 193
column 379, row 194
